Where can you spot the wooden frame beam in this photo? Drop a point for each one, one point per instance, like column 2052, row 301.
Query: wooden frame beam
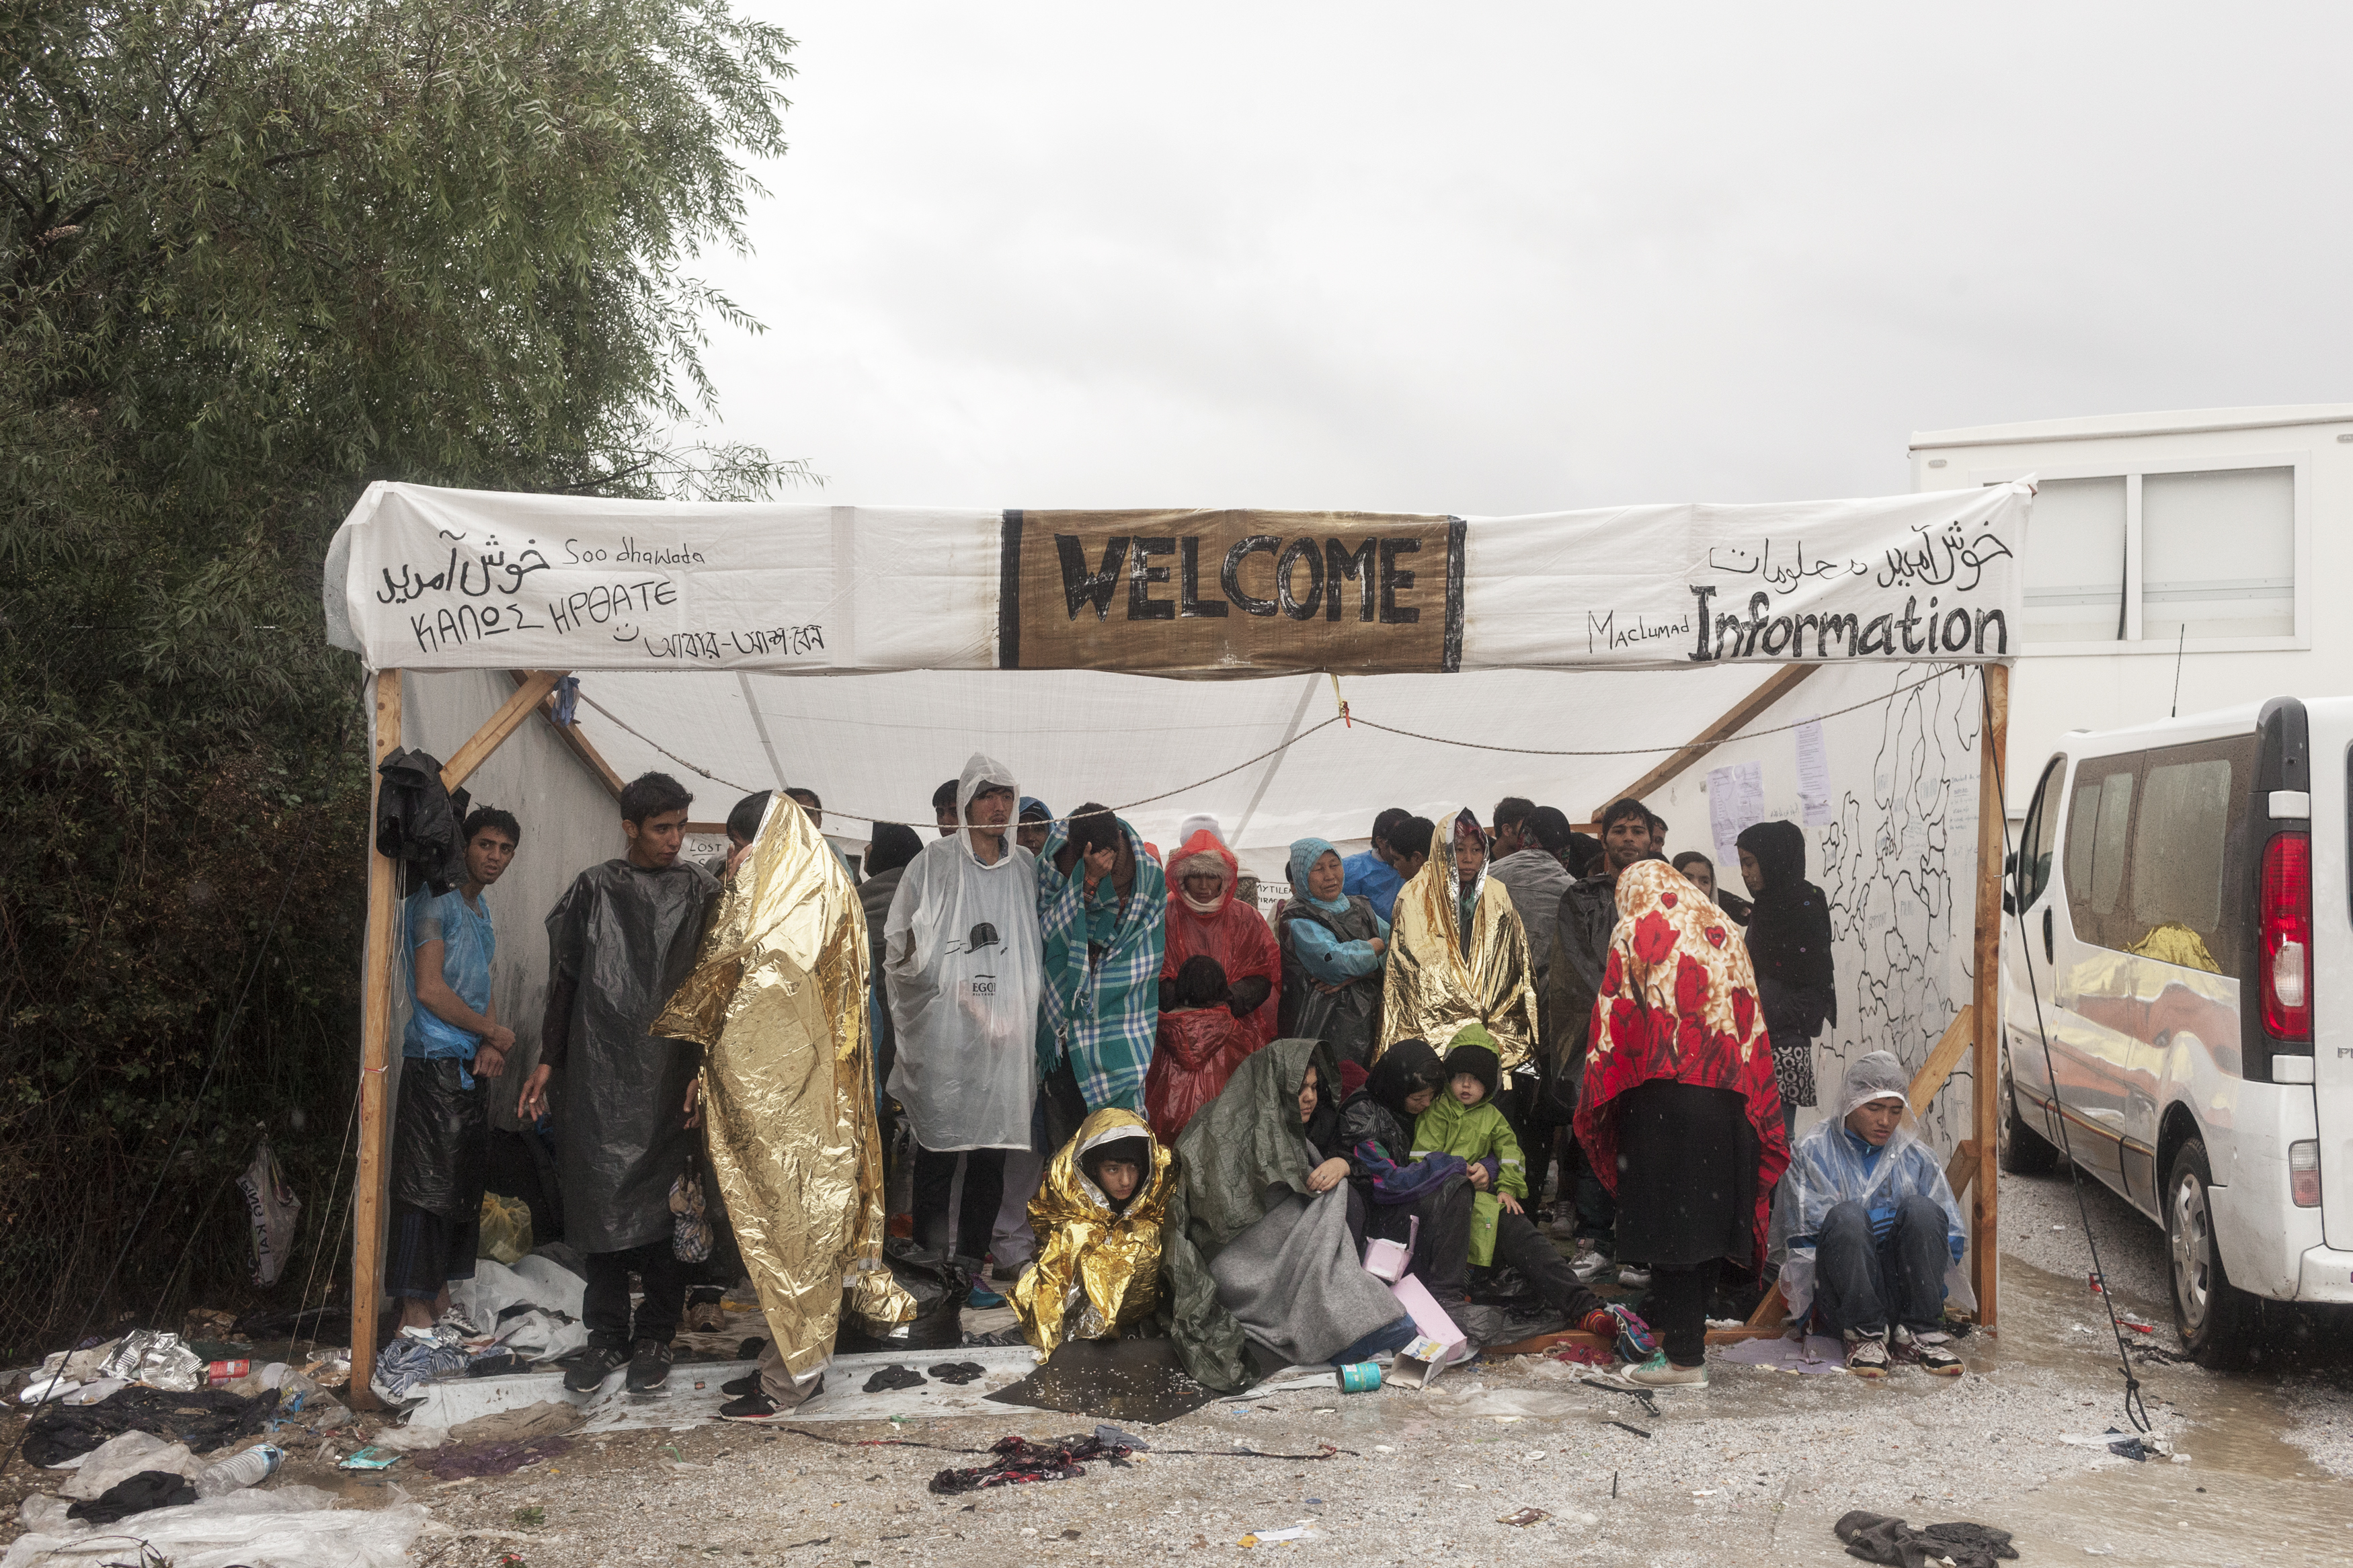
column 530, row 691
column 1736, row 718
column 1985, row 990
column 1959, row 1035
column 571, row 736
column 375, row 1061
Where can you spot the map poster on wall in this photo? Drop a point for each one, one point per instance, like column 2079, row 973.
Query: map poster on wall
column 1231, row 593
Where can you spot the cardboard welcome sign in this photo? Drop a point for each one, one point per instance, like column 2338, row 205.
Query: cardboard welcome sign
column 1231, row 593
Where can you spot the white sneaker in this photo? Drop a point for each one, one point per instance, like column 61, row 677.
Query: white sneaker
column 1633, row 1278
column 1660, row 1373
column 1588, row 1265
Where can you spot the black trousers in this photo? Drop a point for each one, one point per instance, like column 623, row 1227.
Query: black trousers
column 1441, row 1252
column 1521, row 1245
column 604, row 1308
column 967, row 1231
column 1862, row 1281
column 1677, row 1308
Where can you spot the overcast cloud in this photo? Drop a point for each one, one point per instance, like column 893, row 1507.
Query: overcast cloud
column 1504, row 258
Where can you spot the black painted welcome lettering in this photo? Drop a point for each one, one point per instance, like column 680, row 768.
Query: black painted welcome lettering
column 1392, row 580
column 1188, row 582
column 1081, row 586
column 1140, row 605
column 1229, row 576
column 1340, row 563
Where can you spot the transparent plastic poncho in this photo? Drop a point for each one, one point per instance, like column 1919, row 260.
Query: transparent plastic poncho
column 1829, row 1167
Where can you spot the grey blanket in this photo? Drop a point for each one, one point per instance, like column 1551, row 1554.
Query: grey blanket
column 1293, row 1282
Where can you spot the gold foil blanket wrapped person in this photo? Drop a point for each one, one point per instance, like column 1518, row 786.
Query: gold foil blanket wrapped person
column 1098, row 1269
column 778, row 1000
column 1436, row 980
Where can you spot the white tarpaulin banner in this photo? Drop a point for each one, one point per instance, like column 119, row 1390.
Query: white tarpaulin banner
column 432, row 579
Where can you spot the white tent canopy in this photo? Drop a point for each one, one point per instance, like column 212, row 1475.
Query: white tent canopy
column 694, row 627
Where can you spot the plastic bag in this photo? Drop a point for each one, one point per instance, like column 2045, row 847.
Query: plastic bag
column 285, row 1526
column 689, row 1237
column 276, row 1214
column 505, row 1231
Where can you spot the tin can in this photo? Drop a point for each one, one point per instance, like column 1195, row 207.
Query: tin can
column 1361, row 1377
column 222, row 1372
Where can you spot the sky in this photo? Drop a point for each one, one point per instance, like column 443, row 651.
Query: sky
column 1503, row 258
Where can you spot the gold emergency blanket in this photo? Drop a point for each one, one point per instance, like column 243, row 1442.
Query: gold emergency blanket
column 778, row 1000
column 1433, row 986
column 1106, row 1266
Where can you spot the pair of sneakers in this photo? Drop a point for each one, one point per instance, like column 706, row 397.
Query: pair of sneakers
column 1870, row 1355
column 749, row 1401
column 648, row 1363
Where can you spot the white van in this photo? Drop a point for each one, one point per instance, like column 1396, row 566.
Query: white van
column 2165, row 946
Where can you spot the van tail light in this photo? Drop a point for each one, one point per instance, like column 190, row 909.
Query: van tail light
column 2303, row 1173
column 2286, row 922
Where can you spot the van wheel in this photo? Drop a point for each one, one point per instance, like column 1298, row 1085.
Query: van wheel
column 2213, row 1315
column 2019, row 1148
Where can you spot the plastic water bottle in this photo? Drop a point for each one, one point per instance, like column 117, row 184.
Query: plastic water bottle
column 237, row 1472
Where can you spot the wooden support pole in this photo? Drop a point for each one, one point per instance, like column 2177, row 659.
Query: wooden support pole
column 1959, row 1035
column 578, row 742
column 1736, row 718
column 1985, row 992
column 502, row 723
column 375, row 1059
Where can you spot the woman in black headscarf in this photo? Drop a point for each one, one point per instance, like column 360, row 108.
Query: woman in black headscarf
column 1790, row 943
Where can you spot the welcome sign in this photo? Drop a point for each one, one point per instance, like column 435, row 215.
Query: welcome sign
column 1230, row 592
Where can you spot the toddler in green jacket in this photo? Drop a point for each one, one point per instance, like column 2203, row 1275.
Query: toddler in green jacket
column 1464, row 1121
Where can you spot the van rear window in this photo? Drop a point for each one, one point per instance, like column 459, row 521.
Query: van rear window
column 2154, row 852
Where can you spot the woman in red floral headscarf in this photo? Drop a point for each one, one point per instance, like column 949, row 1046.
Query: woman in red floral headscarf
column 1680, row 1111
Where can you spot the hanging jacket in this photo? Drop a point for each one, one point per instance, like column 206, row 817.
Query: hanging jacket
column 418, row 824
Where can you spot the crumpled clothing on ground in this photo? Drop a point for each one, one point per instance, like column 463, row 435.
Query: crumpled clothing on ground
column 203, row 1420
column 894, row 1376
column 544, row 1419
column 493, row 1459
column 136, row 1494
column 1020, row 1460
column 1877, row 1538
column 401, row 1365
column 958, row 1373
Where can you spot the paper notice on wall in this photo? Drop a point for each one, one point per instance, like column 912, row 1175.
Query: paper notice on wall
column 1813, row 773
column 1735, row 801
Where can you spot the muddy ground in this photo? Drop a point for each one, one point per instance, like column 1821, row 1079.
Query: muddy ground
column 1756, row 1468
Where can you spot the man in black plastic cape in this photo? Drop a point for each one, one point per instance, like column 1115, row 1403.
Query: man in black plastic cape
column 620, row 942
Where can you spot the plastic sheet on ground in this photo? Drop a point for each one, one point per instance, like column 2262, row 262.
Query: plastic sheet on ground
column 1140, row 1380
column 1479, row 1403
column 287, row 1527
column 1816, row 1353
column 119, row 1459
column 681, row 1405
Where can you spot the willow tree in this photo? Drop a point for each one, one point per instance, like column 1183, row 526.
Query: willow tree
column 252, row 256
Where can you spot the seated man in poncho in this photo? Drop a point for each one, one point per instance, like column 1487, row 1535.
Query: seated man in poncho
column 1097, row 1217
column 1872, row 1233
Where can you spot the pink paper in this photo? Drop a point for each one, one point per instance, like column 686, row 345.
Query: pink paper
column 1429, row 1317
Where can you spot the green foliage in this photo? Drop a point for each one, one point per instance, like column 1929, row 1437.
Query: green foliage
column 253, row 257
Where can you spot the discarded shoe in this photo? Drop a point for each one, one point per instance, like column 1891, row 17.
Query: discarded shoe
column 984, row 1300
column 650, row 1366
column 1633, row 1277
column 595, row 1364
column 894, row 1376
column 1866, row 1354
column 958, row 1373
column 1658, row 1372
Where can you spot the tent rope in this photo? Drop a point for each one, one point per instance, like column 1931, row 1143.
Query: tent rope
column 1344, row 716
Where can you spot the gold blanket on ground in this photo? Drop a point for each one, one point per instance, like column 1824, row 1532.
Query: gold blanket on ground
column 778, row 1001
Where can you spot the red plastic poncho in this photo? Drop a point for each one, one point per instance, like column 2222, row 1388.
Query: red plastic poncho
column 1195, row 1051
column 1233, row 933
column 1677, row 1000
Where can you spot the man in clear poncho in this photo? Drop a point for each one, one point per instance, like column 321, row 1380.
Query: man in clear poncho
column 963, row 958
column 1868, row 1231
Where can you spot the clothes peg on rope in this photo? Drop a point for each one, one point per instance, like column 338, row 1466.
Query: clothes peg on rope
column 1345, row 721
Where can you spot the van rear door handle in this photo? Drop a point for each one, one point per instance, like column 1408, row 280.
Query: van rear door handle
column 2048, row 955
